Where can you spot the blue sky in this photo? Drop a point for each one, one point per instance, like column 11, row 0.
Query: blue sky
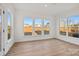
column 74, row 20
column 46, row 21
column 28, row 20
column 38, row 21
column 9, row 19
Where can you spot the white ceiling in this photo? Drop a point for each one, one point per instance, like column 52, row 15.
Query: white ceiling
column 45, row 8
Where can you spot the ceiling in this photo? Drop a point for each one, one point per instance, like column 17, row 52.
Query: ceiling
column 44, row 8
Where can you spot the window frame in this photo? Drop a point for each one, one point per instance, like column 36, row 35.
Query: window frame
column 10, row 14
column 48, row 26
column 33, row 26
column 65, row 25
column 41, row 26
column 69, row 26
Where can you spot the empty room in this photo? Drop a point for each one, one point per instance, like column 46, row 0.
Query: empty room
column 39, row 29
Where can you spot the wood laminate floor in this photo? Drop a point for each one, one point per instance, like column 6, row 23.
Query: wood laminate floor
column 51, row 47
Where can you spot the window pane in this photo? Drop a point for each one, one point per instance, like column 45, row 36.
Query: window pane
column 73, row 26
column 63, row 28
column 38, row 23
column 46, row 26
column 9, row 26
column 28, row 26
column 0, row 32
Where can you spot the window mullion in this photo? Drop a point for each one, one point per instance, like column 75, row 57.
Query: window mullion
column 43, row 26
column 33, row 27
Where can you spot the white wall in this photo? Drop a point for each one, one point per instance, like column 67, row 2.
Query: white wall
column 62, row 37
column 19, row 25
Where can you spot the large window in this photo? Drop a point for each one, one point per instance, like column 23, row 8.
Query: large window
column 28, row 26
column 9, row 25
column 38, row 25
column 73, row 26
column 46, row 26
column 63, row 27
